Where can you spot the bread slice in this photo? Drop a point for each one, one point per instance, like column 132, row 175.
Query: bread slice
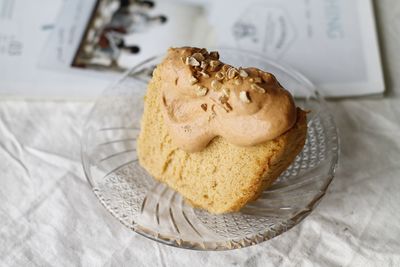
column 222, row 177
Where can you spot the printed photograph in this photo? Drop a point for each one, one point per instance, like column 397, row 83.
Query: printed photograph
column 121, row 31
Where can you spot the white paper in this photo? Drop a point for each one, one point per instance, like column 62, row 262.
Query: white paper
column 25, row 27
column 332, row 42
column 155, row 39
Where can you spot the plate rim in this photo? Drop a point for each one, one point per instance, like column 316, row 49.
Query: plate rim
column 262, row 236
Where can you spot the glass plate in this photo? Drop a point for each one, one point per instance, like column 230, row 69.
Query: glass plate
column 152, row 209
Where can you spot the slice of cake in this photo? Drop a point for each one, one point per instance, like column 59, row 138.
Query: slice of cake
column 217, row 134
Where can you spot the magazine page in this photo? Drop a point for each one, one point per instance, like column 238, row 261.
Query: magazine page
column 90, row 43
column 25, row 29
column 334, row 43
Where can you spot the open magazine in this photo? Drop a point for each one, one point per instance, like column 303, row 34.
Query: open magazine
column 79, row 50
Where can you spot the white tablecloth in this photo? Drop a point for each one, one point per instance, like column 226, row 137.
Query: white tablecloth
column 50, row 217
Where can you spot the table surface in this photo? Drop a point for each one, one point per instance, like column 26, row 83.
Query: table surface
column 50, row 217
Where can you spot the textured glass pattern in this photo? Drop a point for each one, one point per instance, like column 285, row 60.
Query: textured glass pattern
column 152, row 209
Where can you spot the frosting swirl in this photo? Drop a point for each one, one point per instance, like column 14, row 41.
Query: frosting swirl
column 202, row 98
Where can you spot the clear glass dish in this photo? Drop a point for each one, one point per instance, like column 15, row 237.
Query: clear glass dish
column 152, row 209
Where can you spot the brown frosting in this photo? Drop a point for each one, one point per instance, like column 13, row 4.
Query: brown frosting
column 203, row 98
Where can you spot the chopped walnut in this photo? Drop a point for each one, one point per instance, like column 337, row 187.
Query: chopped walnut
column 193, row 80
column 225, row 67
column 224, row 102
column 201, row 91
column 257, row 80
column 267, row 77
column 214, row 55
column 243, row 73
column 226, row 91
column 238, row 82
column 232, row 72
column 257, row 88
column 204, row 74
column 220, row 76
column 191, row 61
column 223, row 99
column 215, row 85
column 214, row 63
column 244, row 97
column 227, row 107
column 203, row 51
column 198, row 56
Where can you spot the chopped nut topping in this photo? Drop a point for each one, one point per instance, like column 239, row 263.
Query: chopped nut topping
column 203, row 65
column 198, row 56
column 201, row 91
column 214, row 63
column 192, row 61
column 193, row 80
column 204, row 74
column 204, row 106
column 243, row 73
column 225, row 104
column 251, row 80
column 203, row 51
column 238, row 82
column 215, row 85
column 257, row 88
column 257, row 80
column 225, row 67
column 244, row 97
column 232, row 72
column 223, row 99
column 228, row 107
column 266, row 77
column 187, row 61
column 226, row 91
column 214, row 55
column 220, row 76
